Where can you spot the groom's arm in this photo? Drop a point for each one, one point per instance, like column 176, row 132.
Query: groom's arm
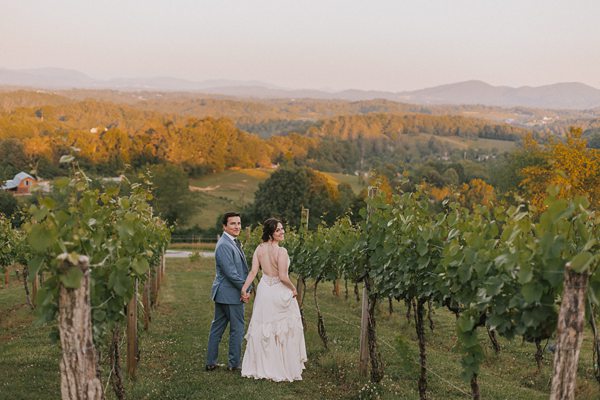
column 226, row 260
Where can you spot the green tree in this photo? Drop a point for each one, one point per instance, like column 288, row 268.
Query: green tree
column 593, row 138
column 505, row 171
column 289, row 189
column 346, row 197
column 8, row 204
column 451, row 177
column 12, row 158
column 173, row 200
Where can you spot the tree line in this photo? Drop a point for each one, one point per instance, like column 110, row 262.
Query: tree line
column 110, row 136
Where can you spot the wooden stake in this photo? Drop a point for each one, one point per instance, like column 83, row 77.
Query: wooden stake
column 132, row 333
column 363, row 366
column 78, row 366
column 569, row 335
column 153, row 287
column 301, row 283
column 158, row 276
column 304, row 213
column 34, row 289
column 336, row 288
column 368, row 339
column 146, row 301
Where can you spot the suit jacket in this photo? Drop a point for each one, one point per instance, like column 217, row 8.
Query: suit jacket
column 231, row 272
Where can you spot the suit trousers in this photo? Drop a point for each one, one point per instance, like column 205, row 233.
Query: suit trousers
column 224, row 314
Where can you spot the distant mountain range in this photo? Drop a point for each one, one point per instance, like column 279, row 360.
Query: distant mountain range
column 571, row 95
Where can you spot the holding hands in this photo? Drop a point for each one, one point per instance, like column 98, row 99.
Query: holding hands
column 244, row 296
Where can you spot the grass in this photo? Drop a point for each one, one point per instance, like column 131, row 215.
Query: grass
column 476, row 143
column 237, row 185
column 173, row 353
column 28, row 360
column 192, row 246
column 352, row 180
column 233, row 189
column 222, row 192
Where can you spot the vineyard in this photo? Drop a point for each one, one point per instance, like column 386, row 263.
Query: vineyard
column 88, row 254
column 172, row 352
column 94, row 261
column 511, row 271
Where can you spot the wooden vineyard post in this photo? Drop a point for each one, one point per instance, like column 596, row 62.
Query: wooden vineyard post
column 301, row 284
column 132, row 333
column 336, row 288
column 153, row 287
column 363, row 365
column 163, row 267
column 368, row 338
column 158, row 277
column 78, row 375
column 571, row 320
column 156, row 285
column 35, row 284
column 146, row 300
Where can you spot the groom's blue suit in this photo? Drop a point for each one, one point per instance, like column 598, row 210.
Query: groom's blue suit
column 231, row 273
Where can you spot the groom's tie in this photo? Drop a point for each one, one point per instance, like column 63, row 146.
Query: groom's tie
column 238, row 244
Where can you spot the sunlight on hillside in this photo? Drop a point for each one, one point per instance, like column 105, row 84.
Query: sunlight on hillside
column 233, row 189
column 258, row 173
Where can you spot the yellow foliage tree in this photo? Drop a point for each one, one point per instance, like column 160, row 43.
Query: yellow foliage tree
column 436, row 194
column 569, row 165
column 37, row 146
column 439, row 194
column 383, row 184
column 475, row 192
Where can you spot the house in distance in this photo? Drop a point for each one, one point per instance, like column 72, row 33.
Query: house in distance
column 21, row 184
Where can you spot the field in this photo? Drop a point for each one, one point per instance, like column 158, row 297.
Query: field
column 233, row 189
column 477, row 143
column 173, row 353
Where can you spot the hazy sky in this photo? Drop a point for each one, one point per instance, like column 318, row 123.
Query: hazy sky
column 389, row 45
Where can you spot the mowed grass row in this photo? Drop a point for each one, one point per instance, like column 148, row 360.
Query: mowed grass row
column 173, row 353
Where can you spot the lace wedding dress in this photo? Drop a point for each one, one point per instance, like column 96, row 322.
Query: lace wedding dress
column 275, row 347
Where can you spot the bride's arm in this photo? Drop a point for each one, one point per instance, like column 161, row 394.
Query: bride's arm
column 283, row 263
column 252, row 274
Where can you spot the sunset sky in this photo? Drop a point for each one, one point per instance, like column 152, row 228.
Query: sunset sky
column 391, row 45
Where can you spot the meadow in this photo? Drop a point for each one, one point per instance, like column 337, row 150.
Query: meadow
column 233, row 189
column 173, row 353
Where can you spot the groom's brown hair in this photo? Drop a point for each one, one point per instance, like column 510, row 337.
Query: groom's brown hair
column 228, row 215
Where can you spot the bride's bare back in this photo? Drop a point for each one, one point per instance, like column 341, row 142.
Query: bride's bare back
column 271, row 258
column 274, row 262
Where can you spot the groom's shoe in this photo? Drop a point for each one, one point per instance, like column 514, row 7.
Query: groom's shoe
column 234, row 369
column 213, row 367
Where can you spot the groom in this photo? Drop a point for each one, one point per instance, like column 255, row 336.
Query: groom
column 231, row 273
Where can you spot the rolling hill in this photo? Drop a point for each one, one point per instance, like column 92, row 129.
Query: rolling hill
column 563, row 95
column 233, row 189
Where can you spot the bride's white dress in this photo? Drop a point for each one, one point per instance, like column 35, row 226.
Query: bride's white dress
column 275, row 347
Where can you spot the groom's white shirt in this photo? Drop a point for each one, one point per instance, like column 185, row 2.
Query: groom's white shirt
column 233, row 238
column 229, row 236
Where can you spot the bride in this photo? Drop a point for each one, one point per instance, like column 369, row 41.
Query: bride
column 275, row 347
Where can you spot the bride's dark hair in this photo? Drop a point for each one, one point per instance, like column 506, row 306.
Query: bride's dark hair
column 269, row 227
